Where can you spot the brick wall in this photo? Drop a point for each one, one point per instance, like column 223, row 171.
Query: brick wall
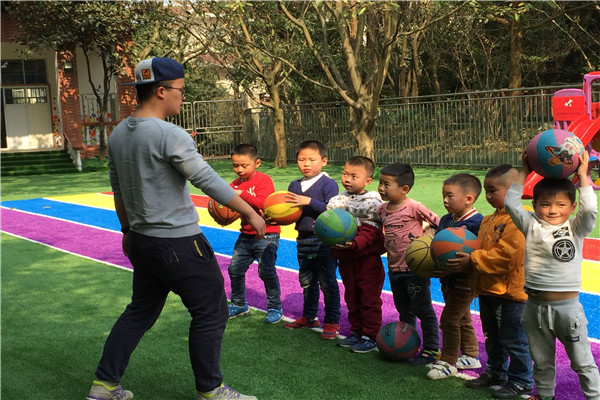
column 69, row 98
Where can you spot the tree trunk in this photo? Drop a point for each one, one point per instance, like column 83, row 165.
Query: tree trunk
column 278, row 127
column 363, row 131
column 515, row 73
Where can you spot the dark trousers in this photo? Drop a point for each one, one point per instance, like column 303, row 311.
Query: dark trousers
column 412, row 298
column 188, row 267
column 506, row 342
column 363, row 280
column 318, row 269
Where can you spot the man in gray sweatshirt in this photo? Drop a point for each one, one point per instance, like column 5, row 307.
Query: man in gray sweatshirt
column 150, row 162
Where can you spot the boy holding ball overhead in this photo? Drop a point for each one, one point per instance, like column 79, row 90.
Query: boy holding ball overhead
column 459, row 192
column 359, row 260
column 253, row 187
column 316, row 266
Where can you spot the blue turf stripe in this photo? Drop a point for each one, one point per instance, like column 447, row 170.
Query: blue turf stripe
column 223, row 240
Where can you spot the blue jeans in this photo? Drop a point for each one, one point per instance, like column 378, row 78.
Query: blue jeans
column 317, row 267
column 246, row 250
column 412, row 298
column 506, row 342
column 186, row 266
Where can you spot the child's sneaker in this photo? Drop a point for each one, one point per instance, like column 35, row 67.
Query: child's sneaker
column 485, row 380
column 511, row 390
column 100, row 391
column 330, row 331
column 364, row 345
column 468, row 362
column 235, row 311
column 349, row 341
column 302, row 323
column 273, row 316
column 426, row 357
column 441, row 370
column 224, row 392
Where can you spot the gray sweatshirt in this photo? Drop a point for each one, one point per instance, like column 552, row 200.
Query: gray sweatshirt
column 150, row 162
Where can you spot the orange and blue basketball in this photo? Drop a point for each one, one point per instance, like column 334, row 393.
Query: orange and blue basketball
column 418, row 257
column 279, row 210
column 335, row 226
column 447, row 242
column 398, row 341
column 554, row 153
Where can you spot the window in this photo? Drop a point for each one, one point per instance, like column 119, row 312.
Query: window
column 36, row 95
column 19, row 72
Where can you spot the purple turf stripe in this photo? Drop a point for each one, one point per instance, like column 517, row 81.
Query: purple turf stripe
column 105, row 246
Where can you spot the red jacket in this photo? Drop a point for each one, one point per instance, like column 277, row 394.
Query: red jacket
column 254, row 192
column 368, row 240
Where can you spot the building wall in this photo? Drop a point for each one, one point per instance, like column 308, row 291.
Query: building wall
column 72, row 104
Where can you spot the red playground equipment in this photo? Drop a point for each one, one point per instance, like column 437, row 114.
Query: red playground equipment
column 574, row 111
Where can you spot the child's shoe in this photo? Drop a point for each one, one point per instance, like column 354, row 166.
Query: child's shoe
column 273, row 316
column 302, row 323
column 100, row 391
column 468, row 362
column 224, row 392
column 349, row 341
column 511, row 390
column 364, row 345
column 426, row 357
column 441, row 370
column 330, row 331
column 485, row 380
column 235, row 311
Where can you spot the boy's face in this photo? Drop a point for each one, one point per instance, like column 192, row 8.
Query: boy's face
column 173, row 97
column 554, row 209
column 244, row 166
column 310, row 162
column 355, row 179
column 456, row 201
column 389, row 189
column 495, row 191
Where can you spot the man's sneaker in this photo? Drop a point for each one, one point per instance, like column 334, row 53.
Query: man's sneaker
column 235, row 311
column 349, row 341
column 511, row 391
column 485, row 380
column 441, row 370
column 101, row 391
column 538, row 397
column 273, row 316
column 302, row 323
column 468, row 362
column 364, row 345
column 330, row 331
column 426, row 357
column 224, row 392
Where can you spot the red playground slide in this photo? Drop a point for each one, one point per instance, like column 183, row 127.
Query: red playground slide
column 586, row 126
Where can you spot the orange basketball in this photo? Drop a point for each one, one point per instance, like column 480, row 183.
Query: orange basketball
column 221, row 214
column 279, row 210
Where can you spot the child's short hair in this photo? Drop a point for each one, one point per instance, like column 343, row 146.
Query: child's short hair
column 402, row 172
column 506, row 172
column 245, row 149
column 363, row 161
column 552, row 187
column 468, row 183
column 312, row 144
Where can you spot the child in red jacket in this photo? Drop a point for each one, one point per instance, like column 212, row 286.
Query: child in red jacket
column 359, row 261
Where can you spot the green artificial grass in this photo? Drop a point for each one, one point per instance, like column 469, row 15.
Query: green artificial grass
column 57, row 310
